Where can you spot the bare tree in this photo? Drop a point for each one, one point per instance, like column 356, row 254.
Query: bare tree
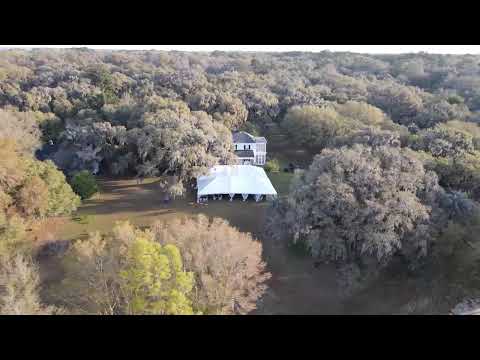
column 19, row 286
column 229, row 271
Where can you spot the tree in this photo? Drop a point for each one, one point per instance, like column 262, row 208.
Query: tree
column 272, row 166
column 222, row 106
column 19, row 287
column 400, row 102
column 315, row 127
column 85, row 146
column 363, row 112
column 453, row 270
column 154, row 281
column 186, row 145
column 126, row 272
column 32, row 198
column 361, row 204
column 469, row 128
column 229, row 272
column 444, row 141
column 32, row 188
column 370, row 136
column 61, row 198
column 12, row 235
column 102, row 77
column 84, row 184
column 261, row 104
column 460, row 173
column 21, row 127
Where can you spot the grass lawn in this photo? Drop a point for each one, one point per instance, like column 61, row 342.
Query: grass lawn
column 296, row 286
column 281, row 181
column 142, row 204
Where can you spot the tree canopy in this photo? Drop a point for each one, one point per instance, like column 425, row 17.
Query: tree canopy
column 176, row 267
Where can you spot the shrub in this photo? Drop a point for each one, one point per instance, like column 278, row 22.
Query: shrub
column 84, row 184
column 83, row 219
column 272, row 166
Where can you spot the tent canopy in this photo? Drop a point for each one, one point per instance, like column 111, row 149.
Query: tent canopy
column 235, row 179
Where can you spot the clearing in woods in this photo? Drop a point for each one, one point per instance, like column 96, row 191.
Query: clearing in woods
column 293, row 287
column 296, row 286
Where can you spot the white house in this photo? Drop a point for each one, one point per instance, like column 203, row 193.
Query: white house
column 230, row 180
column 250, row 150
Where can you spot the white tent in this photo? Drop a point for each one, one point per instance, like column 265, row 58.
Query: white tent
column 235, row 179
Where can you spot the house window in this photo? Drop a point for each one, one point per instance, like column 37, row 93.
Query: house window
column 235, row 146
column 248, row 147
column 244, row 147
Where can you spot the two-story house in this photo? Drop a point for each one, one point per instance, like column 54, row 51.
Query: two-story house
column 250, row 150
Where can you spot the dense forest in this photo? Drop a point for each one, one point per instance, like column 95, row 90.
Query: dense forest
column 394, row 181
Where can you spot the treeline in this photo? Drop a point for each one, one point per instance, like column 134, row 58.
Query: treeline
column 105, row 110
column 30, row 191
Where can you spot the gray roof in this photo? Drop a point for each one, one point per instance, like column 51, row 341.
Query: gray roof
column 243, row 137
column 244, row 153
column 246, row 138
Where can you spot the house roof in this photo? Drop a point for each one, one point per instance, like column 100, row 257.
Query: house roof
column 243, row 137
column 244, row 153
column 235, row 179
column 246, row 138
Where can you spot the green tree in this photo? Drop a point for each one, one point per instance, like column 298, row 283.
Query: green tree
column 363, row 112
column 30, row 188
column 154, row 281
column 61, row 198
column 125, row 272
column 84, row 184
column 102, row 77
column 272, row 166
column 316, row 127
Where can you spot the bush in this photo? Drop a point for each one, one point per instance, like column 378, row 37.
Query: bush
column 84, row 184
column 83, row 219
column 272, row 166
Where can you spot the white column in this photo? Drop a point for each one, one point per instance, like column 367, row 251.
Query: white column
column 244, row 196
column 231, row 196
